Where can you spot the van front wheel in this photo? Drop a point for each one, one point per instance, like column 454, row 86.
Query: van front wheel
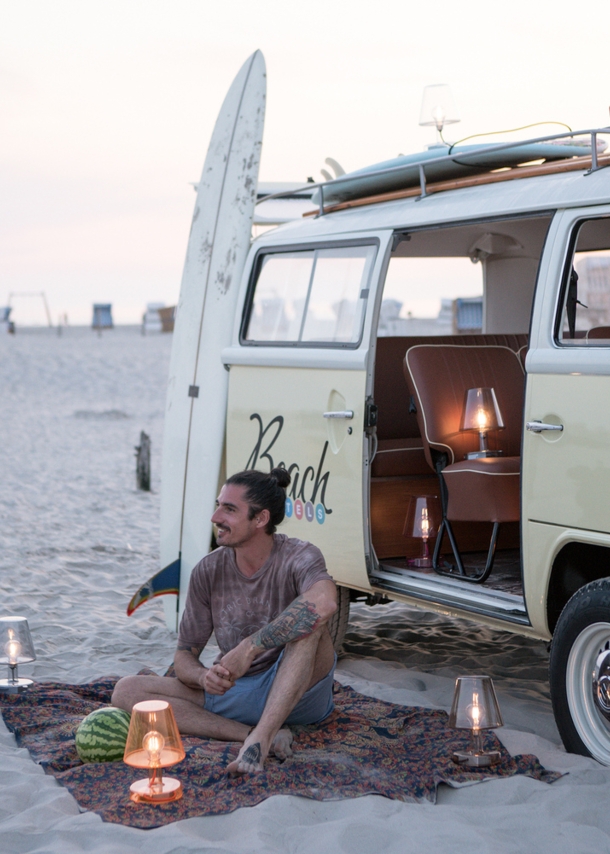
column 337, row 625
column 579, row 672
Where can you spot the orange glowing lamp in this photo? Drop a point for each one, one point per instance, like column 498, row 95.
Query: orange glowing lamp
column 154, row 743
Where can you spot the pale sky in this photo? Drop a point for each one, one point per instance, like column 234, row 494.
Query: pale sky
column 107, row 109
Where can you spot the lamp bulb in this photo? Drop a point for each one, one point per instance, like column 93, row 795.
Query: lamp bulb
column 438, row 114
column 475, row 712
column 12, row 648
column 481, row 419
column 425, row 523
column 153, row 742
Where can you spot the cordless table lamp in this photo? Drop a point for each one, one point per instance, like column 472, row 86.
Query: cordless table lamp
column 481, row 413
column 421, row 523
column 475, row 708
column 16, row 648
column 154, row 743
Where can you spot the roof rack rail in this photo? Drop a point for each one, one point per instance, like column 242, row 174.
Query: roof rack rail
column 463, row 155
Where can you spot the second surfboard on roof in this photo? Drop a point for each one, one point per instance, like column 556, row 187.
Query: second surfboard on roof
column 405, row 169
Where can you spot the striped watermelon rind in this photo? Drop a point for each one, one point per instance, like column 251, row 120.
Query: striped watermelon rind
column 101, row 736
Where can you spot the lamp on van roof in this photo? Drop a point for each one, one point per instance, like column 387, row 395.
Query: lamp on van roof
column 153, row 742
column 475, row 708
column 481, row 413
column 438, row 107
column 16, row 648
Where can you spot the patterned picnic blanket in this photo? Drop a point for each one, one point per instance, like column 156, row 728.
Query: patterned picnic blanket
column 366, row 746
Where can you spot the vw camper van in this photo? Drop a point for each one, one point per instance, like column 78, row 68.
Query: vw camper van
column 430, row 360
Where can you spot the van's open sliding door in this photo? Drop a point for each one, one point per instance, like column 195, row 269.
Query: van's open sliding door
column 297, row 388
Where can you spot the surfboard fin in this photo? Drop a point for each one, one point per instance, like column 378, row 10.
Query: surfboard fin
column 167, row 580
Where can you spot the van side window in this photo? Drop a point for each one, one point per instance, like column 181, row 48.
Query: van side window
column 311, row 297
column 585, row 306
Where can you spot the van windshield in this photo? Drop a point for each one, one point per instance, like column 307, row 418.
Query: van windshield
column 314, row 296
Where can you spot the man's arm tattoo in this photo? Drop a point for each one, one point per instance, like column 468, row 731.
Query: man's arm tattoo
column 194, row 650
column 297, row 621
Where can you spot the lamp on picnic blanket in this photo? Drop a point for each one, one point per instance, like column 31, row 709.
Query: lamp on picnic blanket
column 16, row 648
column 422, row 522
column 153, row 742
column 475, row 708
column 482, row 413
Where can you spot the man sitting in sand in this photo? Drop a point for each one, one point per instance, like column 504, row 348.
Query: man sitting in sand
column 268, row 599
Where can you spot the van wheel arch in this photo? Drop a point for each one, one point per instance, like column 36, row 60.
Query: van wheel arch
column 580, row 643
column 576, row 565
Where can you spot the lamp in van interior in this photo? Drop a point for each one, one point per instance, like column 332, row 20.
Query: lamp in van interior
column 438, row 107
column 154, row 743
column 475, row 708
column 16, row 648
column 421, row 523
column 481, row 413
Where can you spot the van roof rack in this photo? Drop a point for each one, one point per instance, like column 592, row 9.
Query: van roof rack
column 497, row 173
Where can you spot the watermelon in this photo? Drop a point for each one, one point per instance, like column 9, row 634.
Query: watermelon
column 101, row 736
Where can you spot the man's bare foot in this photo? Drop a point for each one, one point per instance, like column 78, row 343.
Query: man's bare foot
column 251, row 758
column 281, row 746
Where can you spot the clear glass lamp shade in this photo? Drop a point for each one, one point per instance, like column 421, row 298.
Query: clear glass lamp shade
column 422, row 523
column 475, row 705
column 154, row 743
column 481, row 411
column 438, row 107
column 475, row 708
column 423, row 517
column 16, row 646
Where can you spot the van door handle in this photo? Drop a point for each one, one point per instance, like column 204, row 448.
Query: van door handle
column 539, row 426
column 342, row 413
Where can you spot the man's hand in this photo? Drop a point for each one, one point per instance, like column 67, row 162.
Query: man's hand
column 238, row 660
column 217, row 680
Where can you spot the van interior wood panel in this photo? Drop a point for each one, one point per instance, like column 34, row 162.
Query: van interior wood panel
column 389, row 504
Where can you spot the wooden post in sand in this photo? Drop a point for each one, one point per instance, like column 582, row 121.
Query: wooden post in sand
column 143, row 462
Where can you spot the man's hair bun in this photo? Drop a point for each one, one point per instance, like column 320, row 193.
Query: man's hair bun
column 281, row 476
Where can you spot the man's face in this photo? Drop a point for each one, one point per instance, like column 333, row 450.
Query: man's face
column 233, row 527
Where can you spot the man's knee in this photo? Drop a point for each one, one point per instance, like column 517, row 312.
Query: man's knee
column 124, row 694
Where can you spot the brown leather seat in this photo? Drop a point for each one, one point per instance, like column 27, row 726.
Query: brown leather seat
column 522, row 353
column 399, row 457
column 598, row 332
column 400, row 449
column 491, row 484
column 479, row 490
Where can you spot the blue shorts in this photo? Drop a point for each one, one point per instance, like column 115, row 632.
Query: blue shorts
column 246, row 700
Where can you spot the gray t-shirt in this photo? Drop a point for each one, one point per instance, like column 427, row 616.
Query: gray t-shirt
column 224, row 601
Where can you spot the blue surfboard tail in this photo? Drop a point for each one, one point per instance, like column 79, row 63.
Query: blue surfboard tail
column 166, row 581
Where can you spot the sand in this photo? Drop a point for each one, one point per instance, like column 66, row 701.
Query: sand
column 78, row 538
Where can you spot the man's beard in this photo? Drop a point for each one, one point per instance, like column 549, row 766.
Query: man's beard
column 228, row 533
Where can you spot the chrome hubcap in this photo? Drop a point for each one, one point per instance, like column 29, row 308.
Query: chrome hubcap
column 588, row 689
column 601, row 682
